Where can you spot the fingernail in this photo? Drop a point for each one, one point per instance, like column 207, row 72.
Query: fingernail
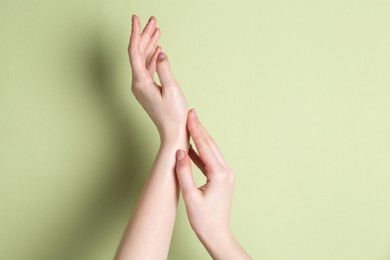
column 179, row 155
column 161, row 56
column 194, row 113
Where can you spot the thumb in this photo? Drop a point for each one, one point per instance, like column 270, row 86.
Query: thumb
column 164, row 70
column 184, row 173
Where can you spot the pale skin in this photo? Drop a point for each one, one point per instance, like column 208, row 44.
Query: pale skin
column 149, row 231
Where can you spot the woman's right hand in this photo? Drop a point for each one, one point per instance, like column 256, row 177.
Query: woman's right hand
column 208, row 207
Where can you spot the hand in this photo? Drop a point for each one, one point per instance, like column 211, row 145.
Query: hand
column 165, row 103
column 208, row 207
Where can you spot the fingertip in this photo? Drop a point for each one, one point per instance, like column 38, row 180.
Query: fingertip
column 192, row 116
column 184, row 173
column 135, row 24
column 161, row 56
column 181, row 162
column 193, row 113
column 164, row 71
column 152, row 21
column 180, row 154
column 153, row 60
column 133, row 18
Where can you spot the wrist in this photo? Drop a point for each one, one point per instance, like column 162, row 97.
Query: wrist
column 176, row 136
column 215, row 237
column 222, row 245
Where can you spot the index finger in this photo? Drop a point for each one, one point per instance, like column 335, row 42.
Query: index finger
column 134, row 45
column 206, row 146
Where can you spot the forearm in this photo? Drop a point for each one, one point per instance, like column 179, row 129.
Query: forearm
column 223, row 246
column 149, row 231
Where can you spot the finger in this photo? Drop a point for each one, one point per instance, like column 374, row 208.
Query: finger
column 147, row 32
column 208, row 150
column 136, row 60
column 164, row 71
column 184, row 174
column 152, row 44
column 153, row 61
column 196, row 159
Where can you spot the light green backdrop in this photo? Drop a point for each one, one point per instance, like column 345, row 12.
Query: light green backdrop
column 296, row 93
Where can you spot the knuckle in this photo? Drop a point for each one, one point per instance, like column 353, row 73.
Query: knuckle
column 199, row 135
column 172, row 91
column 222, row 174
column 209, row 139
column 200, row 142
column 217, row 169
column 182, row 170
column 208, row 169
column 157, row 32
column 221, row 177
column 220, row 168
column 136, row 87
column 162, row 63
column 133, row 49
column 182, row 167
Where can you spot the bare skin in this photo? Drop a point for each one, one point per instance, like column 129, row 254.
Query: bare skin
column 208, row 207
column 149, row 231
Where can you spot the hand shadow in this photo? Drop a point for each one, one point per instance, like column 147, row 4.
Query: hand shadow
column 115, row 197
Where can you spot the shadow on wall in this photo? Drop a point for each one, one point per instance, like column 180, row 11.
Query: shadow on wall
column 116, row 195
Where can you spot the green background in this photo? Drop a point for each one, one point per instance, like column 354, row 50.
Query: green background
column 296, row 94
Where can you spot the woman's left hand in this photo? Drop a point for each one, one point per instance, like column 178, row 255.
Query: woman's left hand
column 165, row 103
